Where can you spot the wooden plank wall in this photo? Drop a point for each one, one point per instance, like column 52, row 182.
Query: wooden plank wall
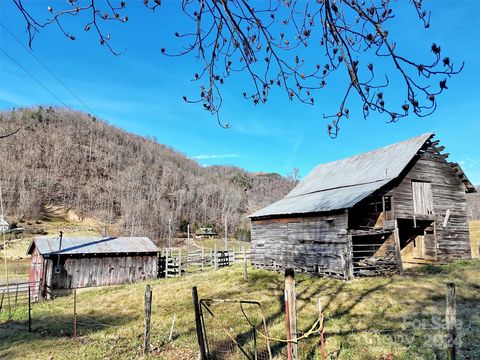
column 448, row 193
column 78, row 272
column 306, row 243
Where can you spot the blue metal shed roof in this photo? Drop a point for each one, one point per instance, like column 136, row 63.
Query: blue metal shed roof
column 343, row 183
column 92, row 245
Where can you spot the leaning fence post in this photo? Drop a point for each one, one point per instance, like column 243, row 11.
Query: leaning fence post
column 245, row 275
column 198, row 323
column 148, row 314
column 74, row 312
column 171, row 328
column 291, row 314
column 451, row 320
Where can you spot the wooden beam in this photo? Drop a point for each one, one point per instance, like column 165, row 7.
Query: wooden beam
column 398, row 249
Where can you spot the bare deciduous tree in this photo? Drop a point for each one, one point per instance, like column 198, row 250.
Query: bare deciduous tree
column 66, row 159
column 268, row 42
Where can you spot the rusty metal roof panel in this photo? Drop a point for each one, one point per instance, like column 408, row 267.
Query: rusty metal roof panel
column 343, row 183
column 93, row 245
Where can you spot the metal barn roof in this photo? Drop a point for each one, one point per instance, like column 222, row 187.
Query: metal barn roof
column 343, row 183
column 92, row 245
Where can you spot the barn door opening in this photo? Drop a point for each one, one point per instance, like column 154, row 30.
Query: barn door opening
column 422, row 198
column 417, row 240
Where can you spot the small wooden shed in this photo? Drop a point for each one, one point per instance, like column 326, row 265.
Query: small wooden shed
column 61, row 263
column 372, row 213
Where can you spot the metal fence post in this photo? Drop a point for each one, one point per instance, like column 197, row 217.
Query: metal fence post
column 198, row 323
column 74, row 312
column 29, row 309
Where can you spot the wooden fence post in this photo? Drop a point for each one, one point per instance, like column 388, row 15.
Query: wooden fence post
column 451, row 320
column 148, row 314
column 203, row 255
column 29, row 309
column 198, row 323
column 215, row 264
column 179, row 262
column 166, row 263
column 74, row 312
column 245, row 275
column 291, row 314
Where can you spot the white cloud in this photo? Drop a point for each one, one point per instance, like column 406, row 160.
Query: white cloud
column 214, row 156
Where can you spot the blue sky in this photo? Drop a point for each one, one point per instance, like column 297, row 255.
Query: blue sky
column 141, row 90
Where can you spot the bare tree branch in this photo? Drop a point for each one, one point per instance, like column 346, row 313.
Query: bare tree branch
column 266, row 41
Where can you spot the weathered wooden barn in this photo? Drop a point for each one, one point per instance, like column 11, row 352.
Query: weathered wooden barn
column 60, row 263
column 369, row 214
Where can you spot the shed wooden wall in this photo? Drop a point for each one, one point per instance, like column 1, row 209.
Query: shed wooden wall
column 453, row 241
column 78, row 272
column 304, row 243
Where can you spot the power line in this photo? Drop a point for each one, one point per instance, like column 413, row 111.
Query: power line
column 33, row 77
column 49, row 71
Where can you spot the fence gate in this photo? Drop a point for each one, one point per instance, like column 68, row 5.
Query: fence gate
column 239, row 333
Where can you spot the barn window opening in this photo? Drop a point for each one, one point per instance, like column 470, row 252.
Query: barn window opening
column 422, row 197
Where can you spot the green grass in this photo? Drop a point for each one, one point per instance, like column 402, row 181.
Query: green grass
column 365, row 318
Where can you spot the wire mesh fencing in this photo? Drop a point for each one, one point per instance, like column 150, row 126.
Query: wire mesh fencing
column 234, row 329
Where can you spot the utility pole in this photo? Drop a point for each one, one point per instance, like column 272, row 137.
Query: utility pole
column 4, row 227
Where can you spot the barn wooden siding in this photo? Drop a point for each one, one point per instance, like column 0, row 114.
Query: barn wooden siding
column 316, row 244
column 453, row 240
column 35, row 272
column 87, row 271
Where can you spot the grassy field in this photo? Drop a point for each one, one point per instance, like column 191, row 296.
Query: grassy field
column 399, row 317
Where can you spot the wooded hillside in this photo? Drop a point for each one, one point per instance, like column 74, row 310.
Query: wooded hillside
column 70, row 159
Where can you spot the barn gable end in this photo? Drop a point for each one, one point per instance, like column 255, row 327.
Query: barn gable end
column 373, row 213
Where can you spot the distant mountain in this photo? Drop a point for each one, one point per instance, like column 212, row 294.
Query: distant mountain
column 70, row 159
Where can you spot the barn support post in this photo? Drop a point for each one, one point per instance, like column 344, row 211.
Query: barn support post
column 148, row 314
column 349, row 259
column 451, row 320
column 291, row 314
column 398, row 250
column 198, row 324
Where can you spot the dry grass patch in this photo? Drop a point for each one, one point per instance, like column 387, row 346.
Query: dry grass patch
column 371, row 318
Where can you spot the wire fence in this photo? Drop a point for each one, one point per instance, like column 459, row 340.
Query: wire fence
column 239, row 329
